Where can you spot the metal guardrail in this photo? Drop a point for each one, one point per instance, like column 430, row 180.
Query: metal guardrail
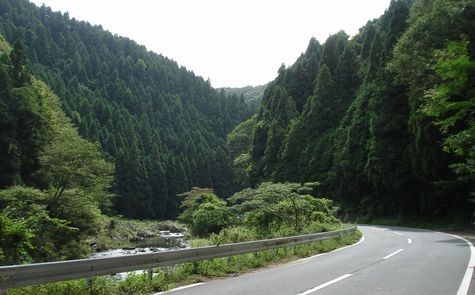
column 39, row 273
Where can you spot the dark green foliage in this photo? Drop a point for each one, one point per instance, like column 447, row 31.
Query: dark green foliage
column 162, row 126
column 252, row 95
column 382, row 107
column 269, row 132
column 19, row 73
column 24, row 127
column 332, row 50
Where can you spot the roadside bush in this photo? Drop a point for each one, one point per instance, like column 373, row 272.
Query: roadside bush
column 203, row 212
column 210, row 218
column 27, row 231
column 233, row 234
column 279, row 209
column 270, row 210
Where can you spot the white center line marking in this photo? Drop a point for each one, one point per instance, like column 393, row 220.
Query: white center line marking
column 392, row 254
column 397, row 233
column 326, row 284
column 179, row 288
column 409, row 241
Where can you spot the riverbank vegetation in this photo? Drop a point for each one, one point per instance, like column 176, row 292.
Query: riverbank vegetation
column 248, row 215
column 268, row 211
column 55, row 182
column 56, row 185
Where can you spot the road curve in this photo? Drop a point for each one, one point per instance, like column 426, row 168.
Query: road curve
column 389, row 260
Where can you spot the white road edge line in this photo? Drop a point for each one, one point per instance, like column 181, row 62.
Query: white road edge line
column 179, row 288
column 392, row 254
column 349, row 246
column 467, row 278
column 336, row 250
column 409, row 241
column 326, row 284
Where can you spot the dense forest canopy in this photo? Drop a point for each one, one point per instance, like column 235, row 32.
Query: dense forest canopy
column 252, row 95
column 384, row 120
column 163, row 127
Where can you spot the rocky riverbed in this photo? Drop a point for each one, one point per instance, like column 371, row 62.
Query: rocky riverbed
column 148, row 243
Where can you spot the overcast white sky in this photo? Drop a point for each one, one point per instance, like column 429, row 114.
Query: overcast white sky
column 232, row 42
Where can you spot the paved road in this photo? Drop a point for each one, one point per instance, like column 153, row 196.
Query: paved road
column 387, row 261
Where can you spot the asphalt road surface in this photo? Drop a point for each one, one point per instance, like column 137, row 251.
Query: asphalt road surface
column 388, row 260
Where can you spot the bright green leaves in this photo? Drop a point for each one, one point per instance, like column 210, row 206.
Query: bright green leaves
column 282, row 208
column 271, row 209
column 210, row 217
column 452, row 103
column 203, row 212
column 15, row 239
column 78, row 176
column 454, row 97
column 27, row 231
column 238, row 143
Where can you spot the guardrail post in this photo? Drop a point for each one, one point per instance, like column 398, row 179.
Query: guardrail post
column 150, row 274
column 89, row 284
column 195, row 267
column 3, row 291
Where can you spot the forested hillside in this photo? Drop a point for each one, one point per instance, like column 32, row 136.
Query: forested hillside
column 57, row 181
column 384, row 120
column 252, row 95
column 162, row 126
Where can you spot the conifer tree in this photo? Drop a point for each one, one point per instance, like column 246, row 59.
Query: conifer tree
column 19, row 72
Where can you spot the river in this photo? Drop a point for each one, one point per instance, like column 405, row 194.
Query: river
column 166, row 241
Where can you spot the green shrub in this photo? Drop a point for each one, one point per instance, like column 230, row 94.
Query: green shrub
column 203, row 212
